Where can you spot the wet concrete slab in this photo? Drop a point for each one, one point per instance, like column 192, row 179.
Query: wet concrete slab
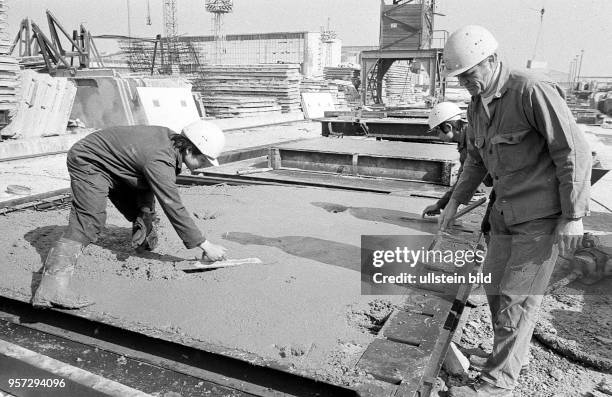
column 301, row 309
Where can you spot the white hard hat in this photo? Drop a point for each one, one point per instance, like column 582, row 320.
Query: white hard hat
column 207, row 137
column 443, row 111
column 467, row 47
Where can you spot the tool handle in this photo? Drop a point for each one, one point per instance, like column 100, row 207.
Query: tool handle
column 469, row 208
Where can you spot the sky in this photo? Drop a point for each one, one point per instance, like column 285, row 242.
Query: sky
column 569, row 26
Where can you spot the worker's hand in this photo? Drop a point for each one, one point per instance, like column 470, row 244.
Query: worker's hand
column 212, row 252
column 447, row 216
column 431, row 210
column 569, row 235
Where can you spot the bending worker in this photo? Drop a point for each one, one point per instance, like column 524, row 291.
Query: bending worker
column 446, row 119
column 523, row 134
column 130, row 166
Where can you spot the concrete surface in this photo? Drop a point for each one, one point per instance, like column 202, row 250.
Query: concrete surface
column 40, row 174
column 370, row 146
column 303, row 307
column 36, row 146
column 600, row 140
column 43, row 174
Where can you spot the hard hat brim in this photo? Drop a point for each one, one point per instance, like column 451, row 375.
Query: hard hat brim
column 453, row 73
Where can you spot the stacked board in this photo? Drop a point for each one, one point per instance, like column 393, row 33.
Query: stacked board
column 9, row 72
column 224, row 106
column 321, row 85
column 242, row 90
column 399, row 85
column 340, row 73
column 343, row 92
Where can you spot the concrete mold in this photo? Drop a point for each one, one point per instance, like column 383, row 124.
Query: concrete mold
column 301, row 309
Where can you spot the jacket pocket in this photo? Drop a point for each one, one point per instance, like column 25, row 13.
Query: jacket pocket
column 514, row 150
column 510, row 137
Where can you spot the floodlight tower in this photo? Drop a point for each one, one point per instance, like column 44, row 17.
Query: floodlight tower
column 171, row 31
column 219, row 8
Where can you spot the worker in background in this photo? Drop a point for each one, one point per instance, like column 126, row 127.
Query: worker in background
column 447, row 119
column 131, row 166
column 523, row 134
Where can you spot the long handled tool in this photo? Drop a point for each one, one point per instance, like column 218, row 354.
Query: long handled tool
column 469, row 208
column 459, row 214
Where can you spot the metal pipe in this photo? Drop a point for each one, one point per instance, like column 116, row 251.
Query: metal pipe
column 580, row 66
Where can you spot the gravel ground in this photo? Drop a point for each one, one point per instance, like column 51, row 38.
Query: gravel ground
column 549, row 374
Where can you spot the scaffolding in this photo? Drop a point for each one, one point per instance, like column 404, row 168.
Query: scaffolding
column 159, row 55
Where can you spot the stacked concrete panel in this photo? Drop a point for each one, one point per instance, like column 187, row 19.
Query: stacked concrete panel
column 9, row 72
column 43, row 107
column 343, row 93
column 340, row 73
column 105, row 98
column 254, row 86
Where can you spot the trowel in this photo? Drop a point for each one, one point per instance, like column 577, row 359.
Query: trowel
column 205, row 264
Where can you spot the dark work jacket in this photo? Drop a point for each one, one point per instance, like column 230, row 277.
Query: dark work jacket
column 531, row 146
column 142, row 158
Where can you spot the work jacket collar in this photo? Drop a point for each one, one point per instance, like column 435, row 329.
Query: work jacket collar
column 501, row 86
column 502, row 81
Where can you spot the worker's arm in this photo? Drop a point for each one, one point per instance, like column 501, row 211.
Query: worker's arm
column 472, row 174
column 434, row 209
column 161, row 176
column 548, row 113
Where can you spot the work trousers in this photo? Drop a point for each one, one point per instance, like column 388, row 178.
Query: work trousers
column 520, row 259
column 91, row 187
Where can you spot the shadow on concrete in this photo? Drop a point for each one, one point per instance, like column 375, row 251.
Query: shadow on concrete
column 115, row 239
column 320, row 250
column 393, row 217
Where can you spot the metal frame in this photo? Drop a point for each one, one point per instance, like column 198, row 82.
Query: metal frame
column 33, row 41
column 375, row 64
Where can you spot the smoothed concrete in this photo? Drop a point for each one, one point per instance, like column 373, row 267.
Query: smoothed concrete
column 301, row 308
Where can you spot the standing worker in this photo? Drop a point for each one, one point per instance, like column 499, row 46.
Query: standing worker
column 523, row 134
column 130, row 166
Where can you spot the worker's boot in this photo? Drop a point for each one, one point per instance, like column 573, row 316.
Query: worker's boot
column 53, row 290
column 478, row 363
column 480, row 388
column 144, row 230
